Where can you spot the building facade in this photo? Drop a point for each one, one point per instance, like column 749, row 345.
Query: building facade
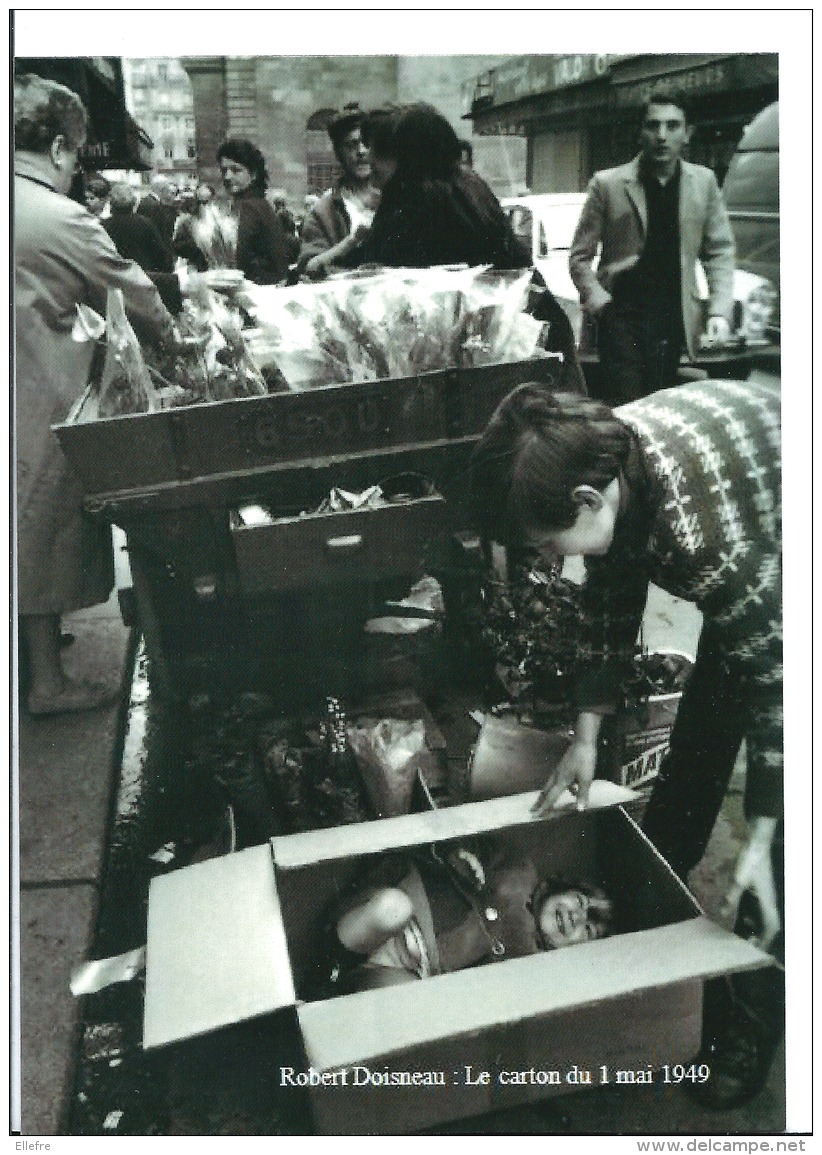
column 581, row 113
column 284, row 103
column 159, row 97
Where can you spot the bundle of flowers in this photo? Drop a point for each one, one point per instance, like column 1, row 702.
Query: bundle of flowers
column 214, row 232
column 211, row 360
column 393, row 323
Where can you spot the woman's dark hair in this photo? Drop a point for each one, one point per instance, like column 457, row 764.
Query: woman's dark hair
column 44, row 110
column 248, row 155
column 98, row 186
column 538, row 447
column 417, row 137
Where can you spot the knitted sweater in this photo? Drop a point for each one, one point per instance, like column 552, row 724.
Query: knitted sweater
column 704, row 523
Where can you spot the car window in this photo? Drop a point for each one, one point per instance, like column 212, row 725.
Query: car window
column 542, row 244
column 522, row 222
column 559, row 223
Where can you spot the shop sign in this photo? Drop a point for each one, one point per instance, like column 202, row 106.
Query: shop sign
column 525, row 76
column 98, row 151
column 693, row 82
column 500, row 128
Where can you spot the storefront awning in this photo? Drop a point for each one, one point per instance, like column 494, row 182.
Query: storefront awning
column 523, row 77
column 115, row 140
column 636, row 79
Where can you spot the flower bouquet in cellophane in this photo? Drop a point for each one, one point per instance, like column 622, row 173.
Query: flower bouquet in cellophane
column 394, row 323
column 211, row 361
column 125, row 385
column 214, row 232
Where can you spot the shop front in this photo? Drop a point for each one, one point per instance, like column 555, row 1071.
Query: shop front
column 581, row 113
column 115, row 140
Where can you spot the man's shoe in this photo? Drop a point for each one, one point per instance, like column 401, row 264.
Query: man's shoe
column 739, row 1061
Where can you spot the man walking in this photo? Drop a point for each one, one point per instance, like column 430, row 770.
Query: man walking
column 651, row 220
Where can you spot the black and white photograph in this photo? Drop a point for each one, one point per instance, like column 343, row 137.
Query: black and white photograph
column 397, row 576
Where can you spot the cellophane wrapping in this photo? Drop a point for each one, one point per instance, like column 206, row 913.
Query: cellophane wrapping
column 391, row 324
column 125, row 385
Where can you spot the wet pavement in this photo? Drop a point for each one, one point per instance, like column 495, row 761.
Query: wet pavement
column 84, row 863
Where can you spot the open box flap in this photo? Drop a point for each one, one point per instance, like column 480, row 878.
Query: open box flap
column 374, row 1024
column 472, row 818
column 216, row 950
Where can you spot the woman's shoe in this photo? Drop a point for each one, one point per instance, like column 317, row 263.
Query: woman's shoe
column 74, row 698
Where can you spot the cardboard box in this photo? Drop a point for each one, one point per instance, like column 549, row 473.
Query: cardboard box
column 237, row 937
column 642, row 739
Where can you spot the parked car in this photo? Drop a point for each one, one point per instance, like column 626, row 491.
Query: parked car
column 546, row 222
column 751, row 191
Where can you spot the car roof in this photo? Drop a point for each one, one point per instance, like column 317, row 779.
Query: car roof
column 544, row 200
column 762, row 134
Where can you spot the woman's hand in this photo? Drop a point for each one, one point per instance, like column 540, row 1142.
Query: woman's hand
column 754, row 872
column 576, row 768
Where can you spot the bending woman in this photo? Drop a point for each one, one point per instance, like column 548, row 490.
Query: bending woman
column 683, row 489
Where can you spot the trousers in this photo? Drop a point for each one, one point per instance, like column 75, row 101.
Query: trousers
column 639, row 349
column 683, row 809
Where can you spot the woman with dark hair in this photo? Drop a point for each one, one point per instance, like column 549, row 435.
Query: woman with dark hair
column 96, row 193
column 681, row 488
column 63, row 258
column 434, row 210
column 262, row 250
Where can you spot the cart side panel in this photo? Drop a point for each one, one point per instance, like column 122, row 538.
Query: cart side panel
column 230, row 438
column 135, row 451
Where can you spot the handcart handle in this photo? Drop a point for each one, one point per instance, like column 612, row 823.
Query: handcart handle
column 342, row 546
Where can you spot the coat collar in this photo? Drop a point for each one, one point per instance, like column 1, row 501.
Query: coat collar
column 635, row 191
column 26, row 167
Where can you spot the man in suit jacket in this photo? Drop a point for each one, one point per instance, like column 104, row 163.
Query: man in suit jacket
column 651, row 220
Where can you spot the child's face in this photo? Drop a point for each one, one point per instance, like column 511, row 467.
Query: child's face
column 565, row 919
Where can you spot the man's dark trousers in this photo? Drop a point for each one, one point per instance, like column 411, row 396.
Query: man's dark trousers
column 639, row 350
column 683, row 809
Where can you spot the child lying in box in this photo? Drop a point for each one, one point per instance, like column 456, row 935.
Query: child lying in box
column 444, row 909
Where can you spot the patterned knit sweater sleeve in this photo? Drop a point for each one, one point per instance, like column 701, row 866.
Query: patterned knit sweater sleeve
column 714, row 451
